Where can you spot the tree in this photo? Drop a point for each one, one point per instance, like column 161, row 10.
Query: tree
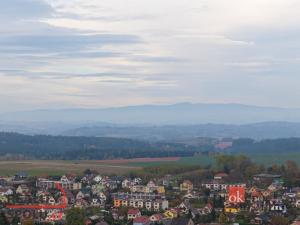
column 279, row 220
column 15, row 221
column 3, row 220
column 75, row 216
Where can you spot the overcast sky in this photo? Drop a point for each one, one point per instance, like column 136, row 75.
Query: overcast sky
column 100, row 53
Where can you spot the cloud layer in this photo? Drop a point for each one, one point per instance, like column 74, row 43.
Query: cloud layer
column 77, row 53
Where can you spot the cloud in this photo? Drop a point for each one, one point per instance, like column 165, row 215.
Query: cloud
column 24, row 9
column 75, row 52
column 61, row 43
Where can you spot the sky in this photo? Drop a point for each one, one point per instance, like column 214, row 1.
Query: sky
column 106, row 53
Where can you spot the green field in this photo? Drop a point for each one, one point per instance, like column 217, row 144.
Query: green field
column 264, row 159
column 56, row 167
column 278, row 158
column 184, row 161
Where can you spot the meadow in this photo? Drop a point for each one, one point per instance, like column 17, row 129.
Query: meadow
column 123, row 166
column 55, row 167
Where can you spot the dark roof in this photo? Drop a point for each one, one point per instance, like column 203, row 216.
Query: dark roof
column 180, row 221
column 102, row 223
column 264, row 175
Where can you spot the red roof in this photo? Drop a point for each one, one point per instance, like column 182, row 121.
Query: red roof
column 256, row 194
column 221, row 175
column 157, row 217
column 133, row 211
column 142, row 219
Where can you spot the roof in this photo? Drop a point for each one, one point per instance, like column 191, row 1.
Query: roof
column 256, row 194
column 102, row 223
column 142, row 219
column 221, row 175
column 157, row 216
column 265, row 175
column 180, row 221
column 133, row 211
column 187, row 182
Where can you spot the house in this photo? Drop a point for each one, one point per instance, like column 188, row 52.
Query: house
column 296, row 222
column 151, row 184
column 65, row 182
column 256, row 196
column 3, row 199
column 297, row 203
column 6, row 191
column 215, row 185
column 185, row 206
column 143, row 220
column 274, row 187
column 149, row 188
column 51, row 201
column 137, row 180
column 126, row 183
column 278, row 208
column 206, row 209
column 220, row 176
column 151, row 202
column 133, row 213
column 117, row 214
column 23, row 190
column 189, row 196
column 156, row 218
column 182, row 221
column 97, row 179
column 257, row 220
column 42, row 195
column 186, row 186
column 98, row 188
column 102, row 196
column 95, row 202
column 80, row 195
column 21, row 175
column 171, row 213
column 232, row 209
column 266, row 178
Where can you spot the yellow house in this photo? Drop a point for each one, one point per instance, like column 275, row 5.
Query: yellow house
column 170, row 214
column 161, row 190
column 232, row 210
column 3, row 199
column 186, row 186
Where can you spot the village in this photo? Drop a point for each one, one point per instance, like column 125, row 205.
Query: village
column 97, row 199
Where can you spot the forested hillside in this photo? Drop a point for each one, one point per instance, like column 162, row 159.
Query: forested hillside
column 271, row 146
column 14, row 145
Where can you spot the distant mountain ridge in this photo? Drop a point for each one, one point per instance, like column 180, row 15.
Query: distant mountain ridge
column 177, row 114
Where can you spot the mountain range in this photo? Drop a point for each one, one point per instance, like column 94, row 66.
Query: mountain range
column 177, row 114
column 160, row 122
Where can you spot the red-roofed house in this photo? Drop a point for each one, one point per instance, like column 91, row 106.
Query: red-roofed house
column 133, row 213
column 143, row 220
column 156, row 218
